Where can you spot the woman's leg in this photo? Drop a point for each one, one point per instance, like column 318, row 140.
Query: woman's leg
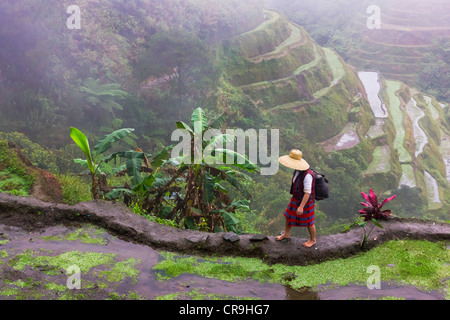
column 312, row 237
column 286, row 234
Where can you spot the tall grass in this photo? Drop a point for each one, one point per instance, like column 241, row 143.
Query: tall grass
column 76, row 189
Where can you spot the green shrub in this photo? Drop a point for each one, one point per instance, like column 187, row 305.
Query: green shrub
column 15, row 178
column 39, row 156
column 76, row 189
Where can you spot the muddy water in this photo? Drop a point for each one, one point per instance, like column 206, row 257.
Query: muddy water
column 371, row 82
column 149, row 287
column 386, row 290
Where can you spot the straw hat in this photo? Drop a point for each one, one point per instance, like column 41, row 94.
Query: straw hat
column 294, row 160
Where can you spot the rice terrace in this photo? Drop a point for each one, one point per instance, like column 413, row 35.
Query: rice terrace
column 230, row 152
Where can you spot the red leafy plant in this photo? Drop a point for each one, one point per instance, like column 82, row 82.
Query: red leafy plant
column 372, row 212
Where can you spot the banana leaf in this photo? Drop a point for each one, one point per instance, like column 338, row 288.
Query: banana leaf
column 220, row 141
column 105, row 144
column 84, row 163
column 184, row 126
column 118, row 192
column 81, row 140
column 161, row 157
column 218, row 122
column 240, row 161
column 229, row 220
column 238, row 186
column 198, row 116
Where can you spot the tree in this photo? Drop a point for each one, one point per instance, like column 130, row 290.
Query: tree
column 103, row 96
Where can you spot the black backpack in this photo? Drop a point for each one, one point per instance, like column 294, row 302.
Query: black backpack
column 321, row 186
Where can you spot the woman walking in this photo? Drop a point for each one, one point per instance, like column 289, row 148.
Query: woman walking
column 300, row 211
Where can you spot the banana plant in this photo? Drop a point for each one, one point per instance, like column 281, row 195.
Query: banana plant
column 205, row 183
column 95, row 157
column 143, row 175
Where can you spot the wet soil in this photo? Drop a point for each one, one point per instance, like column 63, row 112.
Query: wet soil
column 53, row 241
column 147, row 286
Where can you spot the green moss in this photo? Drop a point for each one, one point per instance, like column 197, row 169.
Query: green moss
column 4, row 254
column 128, row 296
column 9, row 292
column 121, row 270
column 196, row 294
column 104, row 267
column 84, row 235
column 22, row 284
column 419, row 263
column 228, row 269
column 52, row 264
column 56, row 287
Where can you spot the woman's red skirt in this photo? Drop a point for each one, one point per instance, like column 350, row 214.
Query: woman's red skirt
column 303, row 220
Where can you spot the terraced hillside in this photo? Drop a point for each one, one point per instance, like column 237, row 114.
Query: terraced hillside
column 411, row 44
column 412, row 150
column 291, row 77
column 405, row 38
column 306, row 90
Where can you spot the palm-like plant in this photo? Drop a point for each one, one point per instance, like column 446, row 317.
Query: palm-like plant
column 372, row 212
column 205, row 195
column 95, row 157
column 103, row 95
column 143, row 174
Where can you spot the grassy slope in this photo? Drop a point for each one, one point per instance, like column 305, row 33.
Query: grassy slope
column 15, row 178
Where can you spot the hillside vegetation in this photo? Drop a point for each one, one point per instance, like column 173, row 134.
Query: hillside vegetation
column 148, row 65
column 412, row 45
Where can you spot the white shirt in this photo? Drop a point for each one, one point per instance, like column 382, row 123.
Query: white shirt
column 307, row 182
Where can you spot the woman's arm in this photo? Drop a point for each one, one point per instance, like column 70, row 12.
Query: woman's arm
column 304, row 201
column 307, row 187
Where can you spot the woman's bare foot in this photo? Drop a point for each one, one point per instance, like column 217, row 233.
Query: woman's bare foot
column 283, row 236
column 309, row 244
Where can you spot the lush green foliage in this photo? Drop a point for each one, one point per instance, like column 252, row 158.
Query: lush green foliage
column 148, row 64
column 75, row 189
column 15, row 177
column 95, row 158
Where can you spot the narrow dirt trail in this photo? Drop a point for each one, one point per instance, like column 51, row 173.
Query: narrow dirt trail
column 32, row 214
